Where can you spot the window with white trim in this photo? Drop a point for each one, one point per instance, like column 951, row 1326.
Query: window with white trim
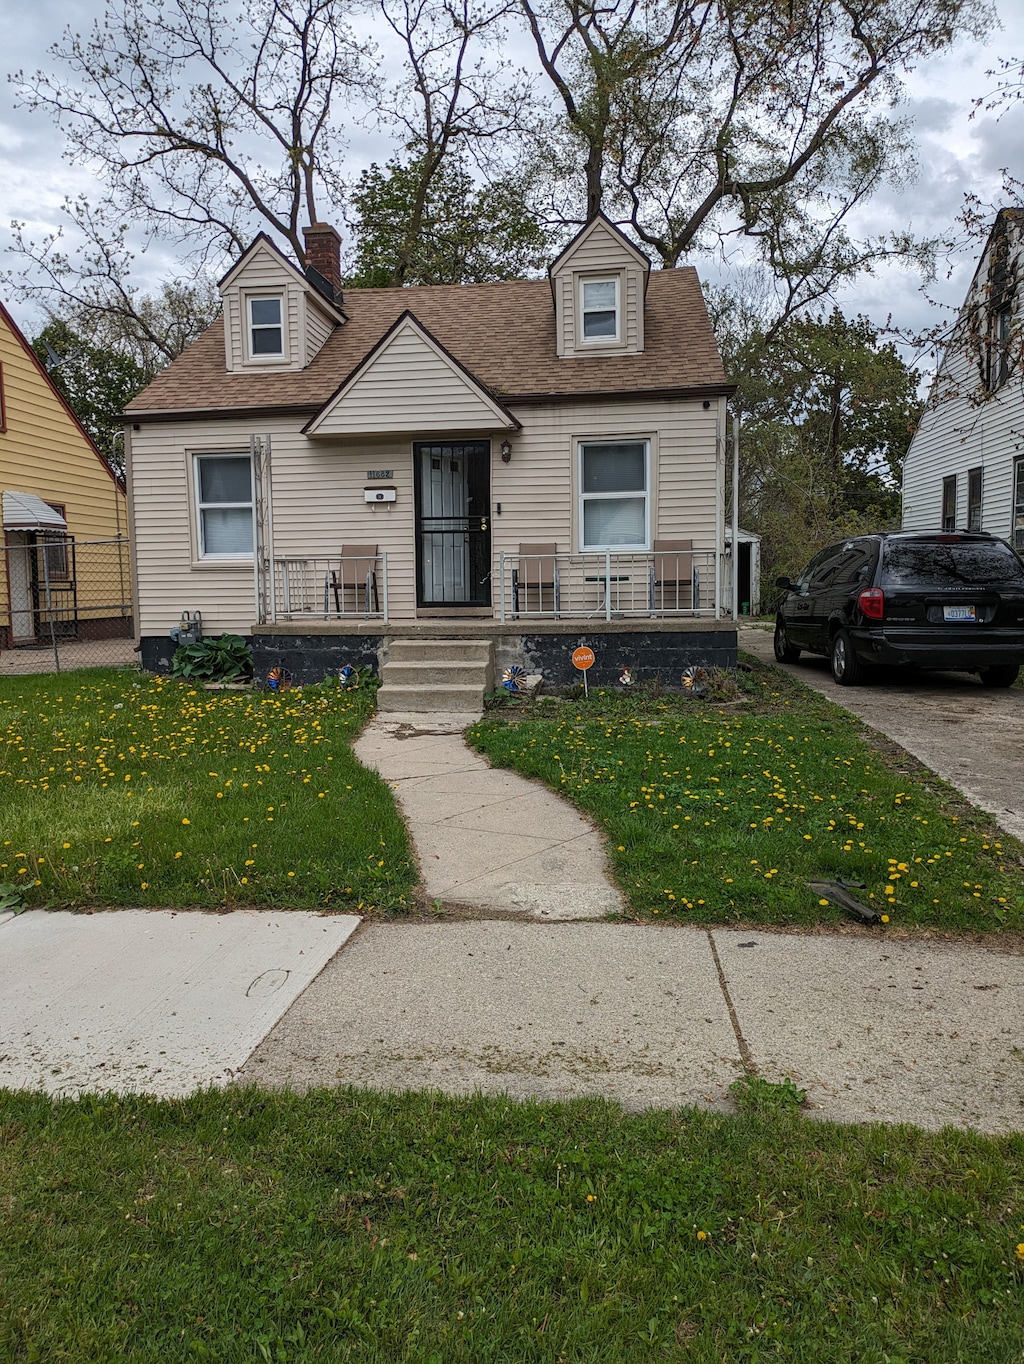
column 615, row 494
column 1018, row 506
column 599, row 309
column 266, row 327
column 224, row 506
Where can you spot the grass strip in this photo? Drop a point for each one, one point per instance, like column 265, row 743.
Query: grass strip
column 241, row 1226
column 118, row 788
column 721, row 813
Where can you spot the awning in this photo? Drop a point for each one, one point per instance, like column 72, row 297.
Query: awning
column 25, row 511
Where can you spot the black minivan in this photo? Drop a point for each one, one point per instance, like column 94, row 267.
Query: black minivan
column 937, row 599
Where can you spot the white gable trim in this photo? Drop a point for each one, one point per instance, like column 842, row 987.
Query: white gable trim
column 409, row 384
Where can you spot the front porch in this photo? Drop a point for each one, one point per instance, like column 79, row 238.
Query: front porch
column 671, row 581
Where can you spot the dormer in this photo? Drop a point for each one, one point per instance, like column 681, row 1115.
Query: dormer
column 275, row 317
column 598, row 284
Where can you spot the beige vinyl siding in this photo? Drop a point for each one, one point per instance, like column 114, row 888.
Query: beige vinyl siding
column 44, row 452
column 318, row 500
column 409, row 386
column 318, row 328
column 318, row 505
column 565, row 320
column 538, row 490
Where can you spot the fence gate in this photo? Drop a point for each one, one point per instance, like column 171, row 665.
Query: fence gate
column 64, row 603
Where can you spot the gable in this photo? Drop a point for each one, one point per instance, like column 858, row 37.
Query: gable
column 597, row 245
column 307, row 318
column 600, row 256
column 409, row 384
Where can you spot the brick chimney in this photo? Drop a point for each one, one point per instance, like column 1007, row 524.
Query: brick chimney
column 323, row 254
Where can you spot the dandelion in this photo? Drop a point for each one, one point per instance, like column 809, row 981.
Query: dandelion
column 702, row 1236
column 590, row 1199
column 1020, row 1250
column 186, row 821
column 885, row 918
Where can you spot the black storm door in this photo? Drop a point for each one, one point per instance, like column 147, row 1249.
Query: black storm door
column 453, row 537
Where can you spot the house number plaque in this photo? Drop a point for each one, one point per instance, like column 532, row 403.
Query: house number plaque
column 380, row 474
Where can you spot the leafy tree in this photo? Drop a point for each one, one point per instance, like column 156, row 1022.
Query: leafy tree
column 202, row 122
column 96, row 381
column 466, row 233
column 697, row 122
column 828, row 408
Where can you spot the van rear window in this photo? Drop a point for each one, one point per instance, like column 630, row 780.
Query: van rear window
column 948, row 563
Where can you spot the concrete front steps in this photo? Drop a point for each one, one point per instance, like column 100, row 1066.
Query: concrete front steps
column 436, row 674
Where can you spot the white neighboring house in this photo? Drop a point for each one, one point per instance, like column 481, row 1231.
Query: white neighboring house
column 964, row 468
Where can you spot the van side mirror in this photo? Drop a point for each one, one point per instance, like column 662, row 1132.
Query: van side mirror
column 784, row 582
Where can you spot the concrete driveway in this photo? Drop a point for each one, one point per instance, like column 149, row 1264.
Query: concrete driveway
column 968, row 735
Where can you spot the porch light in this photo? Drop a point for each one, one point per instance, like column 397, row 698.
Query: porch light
column 506, row 452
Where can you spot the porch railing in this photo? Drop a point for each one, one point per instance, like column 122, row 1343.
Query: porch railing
column 338, row 588
column 608, row 585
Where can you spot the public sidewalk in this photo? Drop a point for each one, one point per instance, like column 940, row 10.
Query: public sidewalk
column 875, row 1029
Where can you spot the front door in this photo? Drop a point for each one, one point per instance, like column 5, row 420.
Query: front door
column 453, row 537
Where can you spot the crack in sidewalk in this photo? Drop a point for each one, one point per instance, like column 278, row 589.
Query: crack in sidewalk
column 748, row 1061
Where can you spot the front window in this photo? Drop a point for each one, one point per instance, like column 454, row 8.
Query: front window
column 266, row 334
column 1018, row 506
column 599, row 308
column 614, row 494
column 224, row 506
column 949, row 503
column 974, row 499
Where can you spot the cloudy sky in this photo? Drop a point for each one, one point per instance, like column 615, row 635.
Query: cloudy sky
column 957, row 154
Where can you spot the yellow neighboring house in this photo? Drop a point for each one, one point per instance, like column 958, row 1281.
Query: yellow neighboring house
column 64, row 559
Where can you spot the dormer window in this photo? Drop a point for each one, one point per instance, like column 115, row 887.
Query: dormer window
column 266, row 333
column 599, row 309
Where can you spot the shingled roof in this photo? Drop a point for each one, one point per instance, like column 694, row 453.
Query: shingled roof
column 504, row 334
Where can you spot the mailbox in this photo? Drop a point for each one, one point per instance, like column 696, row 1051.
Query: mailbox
column 380, row 494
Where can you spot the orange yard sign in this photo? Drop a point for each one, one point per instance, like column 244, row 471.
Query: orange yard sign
column 583, row 658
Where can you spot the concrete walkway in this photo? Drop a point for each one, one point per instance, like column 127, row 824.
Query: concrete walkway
column 486, row 838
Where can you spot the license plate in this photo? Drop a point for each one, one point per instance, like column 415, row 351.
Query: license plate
column 958, row 613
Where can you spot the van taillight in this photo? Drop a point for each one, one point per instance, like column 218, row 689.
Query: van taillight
column 872, row 602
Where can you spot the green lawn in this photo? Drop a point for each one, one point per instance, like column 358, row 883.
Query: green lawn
column 722, row 811
column 241, row 1226
column 118, row 788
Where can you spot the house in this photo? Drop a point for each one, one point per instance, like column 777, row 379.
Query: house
column 965, row 465
column 529, row 462
column 64, row 564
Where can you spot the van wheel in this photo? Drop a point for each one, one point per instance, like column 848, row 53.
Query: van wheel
column 784, row 651
column 847, row 669
column 1004, row 675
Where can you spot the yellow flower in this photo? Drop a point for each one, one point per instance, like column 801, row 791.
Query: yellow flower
column 1020, row 1251
column 590, row 1198
column 822, row 902
column 186, row 821
column 702, row 1236
column 885, row 918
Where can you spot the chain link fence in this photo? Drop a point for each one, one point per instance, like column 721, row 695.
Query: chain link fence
column 64, row 603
